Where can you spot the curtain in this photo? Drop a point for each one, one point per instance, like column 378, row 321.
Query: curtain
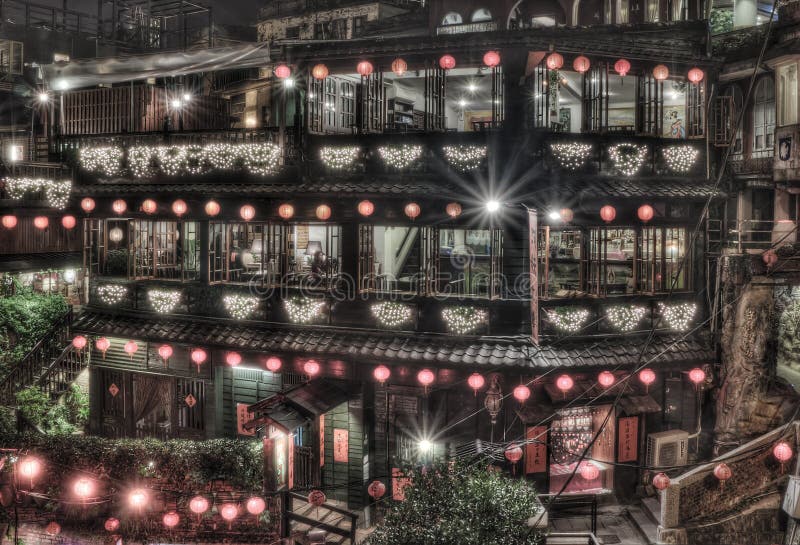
column 151, row 394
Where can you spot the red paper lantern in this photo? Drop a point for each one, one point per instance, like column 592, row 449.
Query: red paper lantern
column 171, row 519
column 554, row 61
column 696, row 75
column 426, row 377
column 381, row 373
column 647, row 376
column 722, row 472
column 376, row 490
column 119, row 206
column 282, row 71
column 198, row 357
column 447, row 62
column 453, row 209
column 53, row 529
column 399, row 66
column 581, row 64
column 513, row 454
column 606, row 379
column 255, row 506
column 661, row 481
column 566, row 214
column 229, row 511
column 286, row 211
column 782, row 452
column 198, row 505
column 697, row 376
column 622, row 67
column 79, row 342
column 476, row 382
column 317, row 498
column 645, row 213
column 565, row 383
column 29, row 468
column 608, row 213
column 165, row 351
column 83, row 488
column 412, row 210
column 274, row 364
column 247, row 212
column 102, row 344
column 212, row 208
column 661, row 72
column 9, row 222
column 137, row 498
column 589, row 471
column 320, row 71
column 491, row 58
column 770, row 258
column 179, row 207
column 111, row 524
column 233, row 359
column 311, row 368
column 366, row 208
column 323, row 212
column 522, row 393
column 130, row 348
column 69, row 222
column 149, row 206
column 364, row 68
column 41, row 222
column 87, row 204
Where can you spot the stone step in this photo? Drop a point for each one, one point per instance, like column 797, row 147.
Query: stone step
column 555, row 539
column 643, row 523
column 652, row 508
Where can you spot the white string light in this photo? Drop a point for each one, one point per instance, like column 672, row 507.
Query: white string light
column 678, row 316
column 163, row 301
column 111, row 294
column 56, row 193
column 628, row 158
column 463, row 320
column 571, row 155
column 391, row 314
column 400, row 157
column 302, row 310
column 465, row 157
column 625, row 317
column 340, row 157
column 567, row 319
column 105, row 160
column 681, row 158
column 241, row 307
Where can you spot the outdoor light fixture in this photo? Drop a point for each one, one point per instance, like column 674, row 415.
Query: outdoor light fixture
column 288, row 83
column 472, row 88
column 493, row 206
column 176, row 103
column 60, row 84
column 462, row 103
column 187, row 97
column 43, row 97
column 425, row 446
column 554, row 215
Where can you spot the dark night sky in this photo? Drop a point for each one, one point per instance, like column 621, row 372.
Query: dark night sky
column 239, row 12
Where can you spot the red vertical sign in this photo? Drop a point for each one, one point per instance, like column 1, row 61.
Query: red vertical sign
column 533, row 272
column 242, row 417
column 628, row 439
column 536, row 450
column 290, row 462
column 340, row 445
column 321, row 440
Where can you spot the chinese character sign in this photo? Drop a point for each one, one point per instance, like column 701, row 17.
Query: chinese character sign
column 340, row 445
column 242, row 417
column 536, row 450
column 628, row 439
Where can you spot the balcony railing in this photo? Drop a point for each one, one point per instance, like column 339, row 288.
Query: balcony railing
column 487, row 26
column 750, row 236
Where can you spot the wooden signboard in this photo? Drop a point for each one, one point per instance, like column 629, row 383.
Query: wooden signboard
column 242, row 417
column 628, row 439
column 340, row 445
column 536, row 450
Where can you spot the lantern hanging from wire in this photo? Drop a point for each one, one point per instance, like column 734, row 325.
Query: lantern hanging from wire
column 119, row 206
column 566, row 215
column 697, row 376
column 273, row 364
column 69, row 222
column 522, row 393
column 138, row 498
column 491, row 58
column 149, row 206
column 565, row 384
column 476, row 382
column 782, row 452
column 581, row 64
column 365, row 68
column 447, row 62
column 645, row 213
column 608, row 213
column 229, row 512
column 453, row 209
column 311, row 368
column 41, row 222
column 661, row 481
column 198, row 356
column 286, row 211
column 79, row 342
column 255, row 506
column 376, row 490
column 381, row 373
column 426, row 378
column 233, row 359
column 319, row 72
column 606, row 379
column 323, row 212
column 647, row 377
column 247, row 212
column 589, row 471
column 399, row 66
column 622, row 67
column 53, row 528
column 131, row 348
column 554, row 61
column 179, row 207
column 412, row 210
column 198, row 505
column 102, row 344
column 282, row 71
column 87, row 204
column 9, row 222
column 212, row 208
column 111, row 524
column 661, row 72
column 165, row 351
column 366, row 208
column 695, row 75
column 722, row 472
column 493, row 401
column 171, row 519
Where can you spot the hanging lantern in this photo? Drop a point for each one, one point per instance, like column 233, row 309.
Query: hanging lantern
column 130, row 348
column 102, row 344
column 233, row 359
column 770, row 258
column 554, row 61
column 447, row 62
column 53, row 529
column 522, row 393
column 364, row 68
column 111, row 524
column 661, row 481
column 695, row 75
column 229, row 511
column 79, row 342
column 645, row 213
column 83, row 488
column 412, row 210
column 311, row 368
column 198, row 505
column 247, row 212
column 116, row 234
column 581, row 64
column 782, row 452
column 274, row 364
column 381, row 373
column 491, row 58
column 119, row 206
column 565, row 384
column 453, row 209
column 138, row 498
column 320, row 72
column 513, row 454
column 171, row 519
column 608, row 213
column 399, row 66
column 722, row 472
column 9, row 222
column 179, row 207
column 212, row 208
column 566, row 215
column 69, row 222
column 476, row 382
column 661, row 72
column 198, row 357
column 87, row 204
column 606, row 379
column 376, row 490
column 165, row 351
column 149, row 206
column 622, row 67
column 697, row 376
column 366, row 208
column 317, row 498
column 493, row 401
column 426, row 378
column 589, row 471
column 282, row 71
column 29, row 468
column 41, row 222
column 323, row 212
column 255, row 506
column 286, row 211
column 648, row 377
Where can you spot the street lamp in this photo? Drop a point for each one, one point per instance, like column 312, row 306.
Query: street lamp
column 492, row 206
column 288, row 83
column 176, row 103
column 555, row 215
column 43, row 97
column 187, row 97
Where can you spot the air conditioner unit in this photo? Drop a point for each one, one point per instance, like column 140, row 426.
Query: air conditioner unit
column 667, row 448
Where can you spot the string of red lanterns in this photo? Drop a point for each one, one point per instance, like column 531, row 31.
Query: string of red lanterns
column 69, row 222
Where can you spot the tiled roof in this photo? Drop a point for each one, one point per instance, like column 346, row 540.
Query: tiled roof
column 622, row 188
column 392, row 347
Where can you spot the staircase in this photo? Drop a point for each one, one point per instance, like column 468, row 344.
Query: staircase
column 306, row 524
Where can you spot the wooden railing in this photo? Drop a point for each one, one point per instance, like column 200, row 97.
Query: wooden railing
column 57, row 377
column 327, row 510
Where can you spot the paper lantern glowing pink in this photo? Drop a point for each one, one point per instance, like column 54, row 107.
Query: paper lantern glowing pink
column 399, row 66
column 491, row 58
column 622, row 67
column 661, row 72
column 311, row 368
column 171, row 519
column 41, row 222
column 29, row 468
column 661, row 481
column 782, row 452
column 130, row 348
column 412, row 210
column 513, row 454
column 233, row 359
column 137, row 498
column 53, row 529
column 83, row 488
column 317, row 498
column 229, row 511
column 282, row 71
column 198, row 505
column 581, row 64
column 119, row 206
column 565, row 383
column 522, row 393
column 453, row 209
column 274, row 364
column 69, row 222
column 87, row 204
column 149, row 206
column 447, row 62
column 255, row 505
column 722, row 472
column 697, row 376
column 476, row 382
column 589, row 471
column 645, row 213
column 381, row 373
column 319, row 72
column 9, row 222
column 111, row 524
column 648, row 377
column 606, row 379
column 366, row 208
column 198, row 356
column 165, row 351
column 323, row 212
column 102, row 344
column 695, row 75
column 608, row 213
column 554, row 61
column 286, row 211
column 376, row 490
column 566, row 215
column 426, row 377
column 179, row 207
column 247, row 212
column 364, row 68
column 79, row 342
column 770, row 258
column 212, row 208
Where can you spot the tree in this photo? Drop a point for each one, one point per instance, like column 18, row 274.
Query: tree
column 468, row 505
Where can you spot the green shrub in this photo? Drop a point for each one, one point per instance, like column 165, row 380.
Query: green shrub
column 24, row 320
